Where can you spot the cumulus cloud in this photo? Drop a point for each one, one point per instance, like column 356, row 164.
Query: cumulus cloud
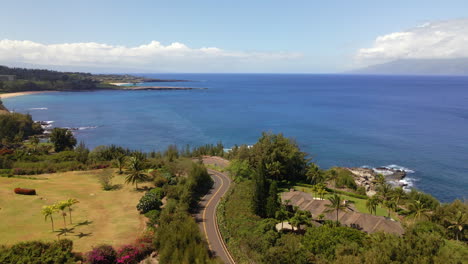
column 435, row 40
column 154, row 56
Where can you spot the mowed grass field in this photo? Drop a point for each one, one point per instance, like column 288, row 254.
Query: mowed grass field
column 100, row 216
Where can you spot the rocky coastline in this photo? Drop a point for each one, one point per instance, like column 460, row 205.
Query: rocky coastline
column 366, row 177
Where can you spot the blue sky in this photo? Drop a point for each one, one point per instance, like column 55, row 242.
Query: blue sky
column 320, row 36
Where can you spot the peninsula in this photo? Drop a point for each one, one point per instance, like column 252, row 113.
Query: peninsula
column 21, row 81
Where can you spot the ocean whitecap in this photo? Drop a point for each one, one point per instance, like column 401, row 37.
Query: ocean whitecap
column 38, row 108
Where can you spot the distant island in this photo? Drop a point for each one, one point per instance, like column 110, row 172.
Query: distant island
column 17, row 80
column 455, row 67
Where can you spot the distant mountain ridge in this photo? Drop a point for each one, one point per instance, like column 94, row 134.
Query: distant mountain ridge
column 457, row 66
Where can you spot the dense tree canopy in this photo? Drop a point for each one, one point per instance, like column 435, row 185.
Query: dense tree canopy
column 62, row 139
column 281, row 156
column 16, row 127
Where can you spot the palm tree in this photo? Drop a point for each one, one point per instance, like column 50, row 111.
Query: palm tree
column 418, row 210
column 372, row 204
column 379, row 179
column 333, row 176
column 314, row 190
column 62, row 206
column 336, row 204
column 48, row 212
column 281, row 215
column 314, row 174
column 70, row 202
column 135, row 171
column 120, row 162
column 398, row 194
column 322, row 192
column 391, row 206
column 385, row 191
column 301, row 218
column 461, row 220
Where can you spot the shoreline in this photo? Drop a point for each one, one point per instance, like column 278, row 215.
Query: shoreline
column 9, row 95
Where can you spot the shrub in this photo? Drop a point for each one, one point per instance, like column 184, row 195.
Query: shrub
column 34, row 168
column 129, row 254
column 25, row 191
column 361, row 190
column 153, row 218
column 344, row 179
column 103, row 254
column 150, row 201
column 159, row 181
column 105, row 179
column 57, row 252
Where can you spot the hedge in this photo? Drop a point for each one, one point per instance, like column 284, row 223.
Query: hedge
column 25, row 191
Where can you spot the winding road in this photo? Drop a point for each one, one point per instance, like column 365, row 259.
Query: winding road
column 206, row 217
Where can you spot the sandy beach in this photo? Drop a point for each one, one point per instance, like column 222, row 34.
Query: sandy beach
column 8, row 95
column 119, row 84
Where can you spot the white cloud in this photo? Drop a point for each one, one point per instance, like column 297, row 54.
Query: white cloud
column 154, row 57
column 435, row 40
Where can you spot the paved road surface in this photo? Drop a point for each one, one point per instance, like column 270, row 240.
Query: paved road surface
column 206, row 218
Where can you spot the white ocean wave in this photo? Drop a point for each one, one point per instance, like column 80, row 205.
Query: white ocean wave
column 383, row 172
column 87, row 127
column 398, row 167
column 38, row 108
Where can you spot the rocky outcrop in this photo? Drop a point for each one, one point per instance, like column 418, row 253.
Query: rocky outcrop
column 366, row 177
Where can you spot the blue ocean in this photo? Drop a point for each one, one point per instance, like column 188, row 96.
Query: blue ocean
column 416, row 123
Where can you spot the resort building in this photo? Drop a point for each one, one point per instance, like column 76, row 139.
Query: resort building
column 365, row 222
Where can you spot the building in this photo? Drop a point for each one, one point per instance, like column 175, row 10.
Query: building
column 7, row 77
column 365, row 222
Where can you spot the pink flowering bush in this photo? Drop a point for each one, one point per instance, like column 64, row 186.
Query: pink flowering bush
column 128, row 254
column 103, row 254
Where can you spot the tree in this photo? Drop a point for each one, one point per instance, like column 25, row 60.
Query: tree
column 391, row 206
column 48, row 212
column 281, row 157
column 301, row 217
column 372, row 204
column 260, row 191
column 418, row 210
column 82, row 153
column 282, row 214
column 273, row 200
column 459, row 223
column 62, row 139
column 379, row 179
column 385, row 192
column 239, row 169
column 333, row 176
column 34, row 142
column 398, row 194
column 62, row 206
column 314, row 190
column 321, row 191
column 70, row 202
column 336, row 204
column 134, row 171
column 120, row 162
column 314, row 174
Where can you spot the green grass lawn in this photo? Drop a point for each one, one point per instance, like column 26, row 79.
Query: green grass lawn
column 360, row 204
column 100, row 217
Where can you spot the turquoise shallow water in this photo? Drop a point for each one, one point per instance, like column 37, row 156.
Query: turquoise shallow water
column 419, row 123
